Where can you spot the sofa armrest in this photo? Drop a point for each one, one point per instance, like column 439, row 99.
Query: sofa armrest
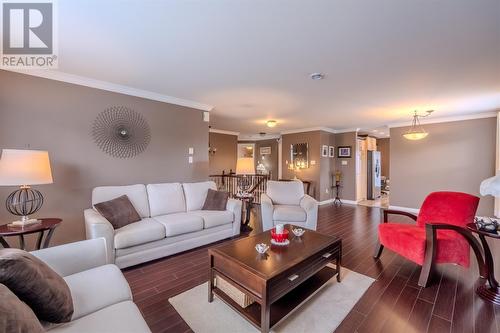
column 234, row 206
column 310, row 205
column 97, row 226
column 74, row 257
column 267, row 209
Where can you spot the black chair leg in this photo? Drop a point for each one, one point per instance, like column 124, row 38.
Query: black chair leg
column 378, row 250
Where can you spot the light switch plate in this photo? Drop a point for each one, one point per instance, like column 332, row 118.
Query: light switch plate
column 190, row 159
column 191, row 150
column 313, row 162
column 344, row 162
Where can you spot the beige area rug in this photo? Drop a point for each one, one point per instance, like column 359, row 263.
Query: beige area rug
column 323, row 312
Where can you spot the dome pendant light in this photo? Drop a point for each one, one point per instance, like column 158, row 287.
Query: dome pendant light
column 416, row 131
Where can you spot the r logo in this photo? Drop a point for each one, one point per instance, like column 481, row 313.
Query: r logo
column 27, row 28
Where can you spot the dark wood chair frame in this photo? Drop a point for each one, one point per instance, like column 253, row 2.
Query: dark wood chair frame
column 431, row 229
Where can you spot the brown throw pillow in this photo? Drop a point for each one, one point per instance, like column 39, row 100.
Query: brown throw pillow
column 216, row 200
column 37, row 285
column 119, row 211
column 16, row 316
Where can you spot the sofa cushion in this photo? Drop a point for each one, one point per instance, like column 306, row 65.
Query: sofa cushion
column 216, row 200
column 285, row 193
column 166, row 198
column 213, row 218
column 180, row 223
column 36, row 284
column 97, row 288
column 289, row 213
column 122, row 317
column 136, row 193
column 146, row 230
column 196, row 193
column 119, row 211
column 15, row 315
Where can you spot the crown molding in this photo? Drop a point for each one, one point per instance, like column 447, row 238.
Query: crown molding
column 108, row 86
column 250, row 137
column 214, row 130
column 447, row 119
column 347, row 130
column 309, row 129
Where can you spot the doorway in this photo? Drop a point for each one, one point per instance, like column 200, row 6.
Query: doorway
column 372, row 178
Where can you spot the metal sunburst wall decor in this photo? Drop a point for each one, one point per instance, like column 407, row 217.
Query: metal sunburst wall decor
column 121, row 132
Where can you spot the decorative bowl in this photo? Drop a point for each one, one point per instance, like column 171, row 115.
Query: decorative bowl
column 298, row 231
column 279, row 238
column 262, row 248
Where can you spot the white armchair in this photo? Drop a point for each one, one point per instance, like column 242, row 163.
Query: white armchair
column 286, row 203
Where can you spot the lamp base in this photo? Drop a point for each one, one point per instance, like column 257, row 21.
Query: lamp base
column 23, row 223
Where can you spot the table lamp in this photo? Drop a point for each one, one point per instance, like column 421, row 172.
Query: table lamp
column 245, row 166
column 490, row 186
column 24, row 168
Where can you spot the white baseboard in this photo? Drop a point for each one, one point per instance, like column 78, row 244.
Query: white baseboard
column 405, row 209
column 344, row 201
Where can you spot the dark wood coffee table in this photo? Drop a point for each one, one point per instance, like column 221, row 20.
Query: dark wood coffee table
column 279, row 281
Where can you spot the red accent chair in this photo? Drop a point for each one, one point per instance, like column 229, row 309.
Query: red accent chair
column 439, row 236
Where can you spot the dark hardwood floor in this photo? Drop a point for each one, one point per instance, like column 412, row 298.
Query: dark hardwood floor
column 394, row 303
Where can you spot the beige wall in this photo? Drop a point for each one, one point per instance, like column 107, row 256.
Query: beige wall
column 455, row 156
column 226, row 155
column 312, row 173
column 327, row 168
column 383, row 146
column 38, row 113
column 348, row 190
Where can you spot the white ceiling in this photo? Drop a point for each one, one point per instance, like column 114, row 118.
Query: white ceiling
column 251, row 59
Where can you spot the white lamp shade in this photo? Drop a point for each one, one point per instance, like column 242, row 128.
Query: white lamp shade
column 245, row 166
column 24, row 167
column 490, row 186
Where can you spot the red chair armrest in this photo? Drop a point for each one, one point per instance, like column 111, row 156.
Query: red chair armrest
column 398, row 212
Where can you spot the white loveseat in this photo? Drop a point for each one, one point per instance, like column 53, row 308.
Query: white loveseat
column 172, row 221
column 102, row 299
column 285, row 202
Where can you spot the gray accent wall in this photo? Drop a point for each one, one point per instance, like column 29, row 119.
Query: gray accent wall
column 455, row 156
column 38, row 113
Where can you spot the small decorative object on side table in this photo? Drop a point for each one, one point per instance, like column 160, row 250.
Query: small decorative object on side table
column 247, row 200
column 45, row 224
column 491, row 292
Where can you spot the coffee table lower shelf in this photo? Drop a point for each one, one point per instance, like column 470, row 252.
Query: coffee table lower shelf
column 284, row 305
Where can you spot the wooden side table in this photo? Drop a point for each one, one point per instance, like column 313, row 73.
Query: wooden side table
column 46, row 224
column 492, row 292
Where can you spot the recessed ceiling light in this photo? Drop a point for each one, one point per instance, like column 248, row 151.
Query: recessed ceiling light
column 271, row 123
column 317, row 76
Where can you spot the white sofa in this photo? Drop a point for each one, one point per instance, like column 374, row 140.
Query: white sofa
column 285, row 202
column 172, row 221
column 102, row 299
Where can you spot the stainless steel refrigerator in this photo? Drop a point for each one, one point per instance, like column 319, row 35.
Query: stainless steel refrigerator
column 374, row 175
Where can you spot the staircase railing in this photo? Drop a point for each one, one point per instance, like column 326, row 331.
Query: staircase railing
column 229, row 183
